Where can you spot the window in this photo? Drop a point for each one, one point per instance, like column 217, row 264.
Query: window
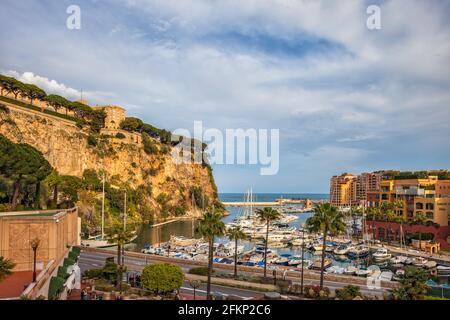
column 430, row 215
column 429, row 206
column 419, row 206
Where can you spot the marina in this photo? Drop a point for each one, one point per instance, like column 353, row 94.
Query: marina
column 287, row 239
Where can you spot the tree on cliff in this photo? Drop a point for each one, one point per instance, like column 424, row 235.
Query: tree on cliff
column 11, row 85
column 131, row 124
column 33, row 92
column 57, row 102
column 22, row 164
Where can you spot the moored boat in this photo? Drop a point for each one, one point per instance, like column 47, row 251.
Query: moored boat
column 316, row 265
column 381, row 255
column 358, row 252
column 341, row 250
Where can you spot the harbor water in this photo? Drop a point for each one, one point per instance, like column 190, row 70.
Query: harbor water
column 149, row 235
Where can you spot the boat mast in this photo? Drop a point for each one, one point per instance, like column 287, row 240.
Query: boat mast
column 103, row 207
column 194, row 211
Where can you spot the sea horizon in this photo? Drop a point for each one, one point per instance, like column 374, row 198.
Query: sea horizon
column 270, row 196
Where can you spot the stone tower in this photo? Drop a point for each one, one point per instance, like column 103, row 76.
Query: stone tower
column 114, row 116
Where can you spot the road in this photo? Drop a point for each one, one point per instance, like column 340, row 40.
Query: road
column 94, row 260
column 90, row 260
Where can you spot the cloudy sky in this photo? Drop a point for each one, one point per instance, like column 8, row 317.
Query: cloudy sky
column 345, row 98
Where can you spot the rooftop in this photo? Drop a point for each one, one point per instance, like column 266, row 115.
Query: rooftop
column 13, row 285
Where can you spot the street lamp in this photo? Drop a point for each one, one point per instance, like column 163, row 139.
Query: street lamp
column 194, row 285
column 303, row 255
column 34, row 245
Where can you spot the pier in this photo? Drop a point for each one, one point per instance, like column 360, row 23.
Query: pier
column 308, row 203
column 256, row 204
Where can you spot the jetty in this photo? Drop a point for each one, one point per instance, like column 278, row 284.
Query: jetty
column 308, row 203
column 256, row 204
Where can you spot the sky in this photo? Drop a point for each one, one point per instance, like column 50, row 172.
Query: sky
column 345, row 98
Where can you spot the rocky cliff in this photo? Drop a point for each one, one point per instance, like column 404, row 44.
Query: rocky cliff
column 68, row 150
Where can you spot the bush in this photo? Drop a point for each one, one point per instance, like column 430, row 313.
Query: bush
column 162, row 278
column 92, row 141
column 149, row 145
column 120, row 135
column 312, row 292
column 347, row 293
column 200, row 271
column 4, row 108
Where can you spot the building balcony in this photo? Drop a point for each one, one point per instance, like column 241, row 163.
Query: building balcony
column 413, row 191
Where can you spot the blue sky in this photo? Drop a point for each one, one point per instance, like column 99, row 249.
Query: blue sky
column 344, row 98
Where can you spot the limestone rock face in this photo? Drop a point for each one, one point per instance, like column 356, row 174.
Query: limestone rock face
column 66, row 148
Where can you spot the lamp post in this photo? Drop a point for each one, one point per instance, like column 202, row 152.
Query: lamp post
column 34, row 245
column 194, row 285
column 303, row 256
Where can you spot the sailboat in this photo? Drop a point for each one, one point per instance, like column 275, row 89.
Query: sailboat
column 99, row 241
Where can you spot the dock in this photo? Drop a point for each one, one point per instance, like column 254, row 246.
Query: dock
column 279, row 202
column 255, row 204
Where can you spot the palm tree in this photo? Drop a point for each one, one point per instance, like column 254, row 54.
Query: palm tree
column 326, row 218
column 236, row 234
column 120, row 236
column 420, row 218
column 6, row 267
column 209, row 227
column 268, row 215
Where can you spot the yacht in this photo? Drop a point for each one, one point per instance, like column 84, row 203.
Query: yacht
column 381, row 255
column 443, row 270
column 362, row 272
column 358, row 252
column 299, row 242
column 284, row 261
column 350, row 270
column 335, row 269
column 398, row 259
column 341, row 250
column 419, row 262
column 316, row 265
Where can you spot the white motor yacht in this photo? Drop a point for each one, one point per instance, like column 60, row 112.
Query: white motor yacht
column 381, row 255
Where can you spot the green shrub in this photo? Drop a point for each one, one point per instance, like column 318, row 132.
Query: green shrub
column 120, row 135
column 149, row 145
column 200, row 271
column 347, row 293
column 162, row 278
column 92, row 141
column 4, row 108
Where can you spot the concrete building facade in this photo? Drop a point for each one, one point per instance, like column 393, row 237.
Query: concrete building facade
column 56, row 231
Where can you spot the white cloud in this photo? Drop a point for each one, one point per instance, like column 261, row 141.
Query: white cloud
column 49, row 86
